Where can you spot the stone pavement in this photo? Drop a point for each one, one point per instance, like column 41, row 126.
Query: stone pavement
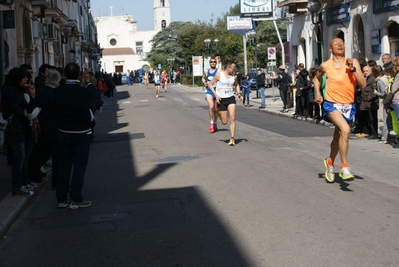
column 12, row 206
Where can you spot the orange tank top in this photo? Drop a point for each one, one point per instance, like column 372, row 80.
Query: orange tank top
column 340, row 84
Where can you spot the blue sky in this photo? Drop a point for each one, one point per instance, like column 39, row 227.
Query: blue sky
column 181, row 10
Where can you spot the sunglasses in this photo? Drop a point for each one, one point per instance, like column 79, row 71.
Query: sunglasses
column 212, row 61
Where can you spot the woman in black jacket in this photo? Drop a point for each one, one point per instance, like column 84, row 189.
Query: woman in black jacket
column 18, row 130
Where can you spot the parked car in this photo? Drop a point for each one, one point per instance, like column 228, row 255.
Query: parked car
column 252, row 79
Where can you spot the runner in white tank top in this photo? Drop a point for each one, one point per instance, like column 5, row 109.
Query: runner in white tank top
column 225, row 85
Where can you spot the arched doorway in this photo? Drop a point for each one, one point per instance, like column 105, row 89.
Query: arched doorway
column 393, row 35
column 146, row 67
column 340, row 34
column 27, row 39
column 358, row 39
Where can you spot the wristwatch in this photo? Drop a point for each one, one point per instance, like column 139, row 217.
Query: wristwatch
column 353, row 69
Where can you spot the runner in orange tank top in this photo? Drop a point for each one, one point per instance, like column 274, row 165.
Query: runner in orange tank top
column 342, row 76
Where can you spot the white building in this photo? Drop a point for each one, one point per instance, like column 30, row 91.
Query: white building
column 124, row 47
column 369, row 29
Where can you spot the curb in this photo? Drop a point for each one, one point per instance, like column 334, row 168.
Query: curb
column 14, row 205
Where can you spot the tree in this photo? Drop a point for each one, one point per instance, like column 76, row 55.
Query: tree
column 182, row 40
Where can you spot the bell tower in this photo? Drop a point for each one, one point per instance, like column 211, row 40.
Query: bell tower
column 161, row 14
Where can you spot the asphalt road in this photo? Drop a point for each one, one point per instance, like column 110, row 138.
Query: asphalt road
column 165, row 192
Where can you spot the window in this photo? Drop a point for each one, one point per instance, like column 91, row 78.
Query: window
column 139, row 48
column 162, row 3
column 112, row 41
column 163, row 24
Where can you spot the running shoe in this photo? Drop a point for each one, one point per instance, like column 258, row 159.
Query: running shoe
column 345, row 174
column 211, row 128
column 215, row 128
column 329, row 174
column 232, row 142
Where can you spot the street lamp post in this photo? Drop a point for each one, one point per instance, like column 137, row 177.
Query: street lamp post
column 171, row 61
column 211, row 46
column 314, row 7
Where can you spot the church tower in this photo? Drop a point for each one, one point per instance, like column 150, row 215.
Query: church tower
column 161, row 14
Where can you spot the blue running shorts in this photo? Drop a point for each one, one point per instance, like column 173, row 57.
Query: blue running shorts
column 347, row 110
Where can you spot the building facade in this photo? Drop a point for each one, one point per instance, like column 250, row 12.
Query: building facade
column 48, row 31
column 369, row 28
column 124, row 47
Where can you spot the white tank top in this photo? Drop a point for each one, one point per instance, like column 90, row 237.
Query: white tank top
column 225, row 86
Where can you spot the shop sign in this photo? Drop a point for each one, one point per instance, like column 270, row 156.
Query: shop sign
column 376, row 41
column 256, row 8
column 338, row 14
column 235, row 24
column 384, row 5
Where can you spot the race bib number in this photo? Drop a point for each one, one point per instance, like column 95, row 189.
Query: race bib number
column 345, row 109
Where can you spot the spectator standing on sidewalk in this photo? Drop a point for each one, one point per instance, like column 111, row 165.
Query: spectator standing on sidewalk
column 260, row 84
column 224, row 93
column 387, row 61
column 381, row 90
column 313, row 107
column 246, row 89
column 283, row 81
column 72, row 103
column 301, row 97
column 369, row 105
column 395, row 100
column 342, row 75
column 18, row 128
column 210, row 98
column 40, row 80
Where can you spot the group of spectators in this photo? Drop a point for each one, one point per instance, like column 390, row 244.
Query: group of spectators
column 50, row 117
column 380, row 81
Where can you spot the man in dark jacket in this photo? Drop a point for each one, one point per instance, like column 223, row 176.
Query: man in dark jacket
column 40, row 80
column 73, row 103
column 283, row 80
column 301, row 98
column 260, row 84
column 369, row 105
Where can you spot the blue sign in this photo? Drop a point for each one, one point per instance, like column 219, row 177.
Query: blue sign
column 384, row 5
column 376, row 41
column 337, row 14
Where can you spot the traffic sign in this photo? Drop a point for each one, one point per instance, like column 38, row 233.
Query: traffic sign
column 271, row 53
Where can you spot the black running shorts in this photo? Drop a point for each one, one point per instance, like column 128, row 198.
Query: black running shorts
column 225, row 102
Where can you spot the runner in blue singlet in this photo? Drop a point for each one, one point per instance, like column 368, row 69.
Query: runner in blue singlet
column 209, row 96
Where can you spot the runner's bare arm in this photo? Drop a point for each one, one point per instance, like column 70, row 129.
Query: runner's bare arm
column 353, row 62
column 204, row 79
column 214, row 80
